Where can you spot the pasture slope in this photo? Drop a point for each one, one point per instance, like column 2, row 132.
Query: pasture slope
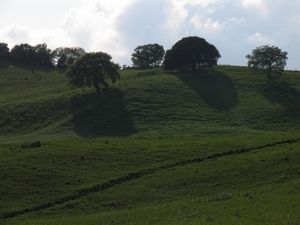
column 217, row 146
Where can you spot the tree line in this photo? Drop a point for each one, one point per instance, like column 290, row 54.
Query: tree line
column 41, row 55
column 95, row 68
column 190, row 52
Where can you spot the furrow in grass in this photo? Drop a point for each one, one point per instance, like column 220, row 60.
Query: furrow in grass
column 136, row 175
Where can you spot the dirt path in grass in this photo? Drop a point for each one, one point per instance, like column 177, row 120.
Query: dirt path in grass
column 136, row 175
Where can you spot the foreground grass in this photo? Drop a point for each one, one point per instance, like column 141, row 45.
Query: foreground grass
column 253, row 187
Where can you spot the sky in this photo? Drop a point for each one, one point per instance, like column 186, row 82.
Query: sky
column 117, row 27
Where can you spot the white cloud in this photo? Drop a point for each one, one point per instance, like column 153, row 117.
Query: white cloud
column 257, row 5
column 207, row 24
column 91, row 26
column 14, row 33
column 235, row 20
column 258, row 38
column 178, row 12
column 202, row 3
column 118, row 26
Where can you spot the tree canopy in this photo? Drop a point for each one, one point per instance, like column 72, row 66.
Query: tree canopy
column 38, row 55
column 92, row 70
column 269, row 59
column 146, row 56
column 43, row 55
column 4, row 52
column 191, row 52
column 65, row 56
column 23, row 53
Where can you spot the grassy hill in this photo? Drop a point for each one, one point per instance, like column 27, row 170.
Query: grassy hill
column 216, row 146
column 229, row 99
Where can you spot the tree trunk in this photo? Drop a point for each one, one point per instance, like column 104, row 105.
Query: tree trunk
column 97, row 89
column 269, row 72
column 95, row 78
column 193, row 66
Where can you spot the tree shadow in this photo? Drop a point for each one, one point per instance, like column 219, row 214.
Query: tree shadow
column 215, row 88
column 283, row 94
column 34, row 68
column 4, row 65
column 100, row 116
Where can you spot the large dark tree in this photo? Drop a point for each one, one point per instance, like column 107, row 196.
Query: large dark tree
column 43, row 55
column 191, row 52
column 92, row 70
column 66, row 56
column 269, row 59
column 146, row 56
column 4, row 52
column 23, row 53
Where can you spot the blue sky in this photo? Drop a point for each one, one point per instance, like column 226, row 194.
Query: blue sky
column 235, row 27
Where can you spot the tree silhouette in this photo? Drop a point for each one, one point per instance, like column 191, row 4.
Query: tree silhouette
column 4, row 52
column 23, row 53
column 92, row 69
column 269, row 59
column 191, row 52
column 66, row 56
column 146, row 56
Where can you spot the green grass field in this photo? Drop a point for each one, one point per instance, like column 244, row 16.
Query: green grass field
column 218, row 146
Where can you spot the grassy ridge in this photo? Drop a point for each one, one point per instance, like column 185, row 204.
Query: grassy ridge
column 150, row 103
column 214, row 146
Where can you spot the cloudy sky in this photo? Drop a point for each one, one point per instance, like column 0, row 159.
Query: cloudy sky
column 116, row 27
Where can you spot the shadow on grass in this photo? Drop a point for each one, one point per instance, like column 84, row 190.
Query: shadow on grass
column 215, row 88
column 283, row 94
column 34, row 68
column 100, row 116
column 3, row 65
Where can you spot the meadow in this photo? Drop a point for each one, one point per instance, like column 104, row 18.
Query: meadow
column 215, row 146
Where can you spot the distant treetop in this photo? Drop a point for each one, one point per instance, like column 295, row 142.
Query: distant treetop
column 93, row 70
column 269, row 59
column 147, row 56
column 190, row 53
column 4, row 52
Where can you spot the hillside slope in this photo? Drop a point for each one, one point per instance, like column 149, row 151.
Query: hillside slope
column 216, row 146
column 227, row 99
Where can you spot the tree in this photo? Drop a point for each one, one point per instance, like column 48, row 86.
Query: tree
column 92, row 69
column 269, row 59
column 43, row 55
column 146, row 56
column 4, row 52
column 191, row 52
column 23, row 53
column 65, row 56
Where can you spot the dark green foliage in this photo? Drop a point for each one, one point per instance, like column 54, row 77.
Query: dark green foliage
column 4, row 52
column 43, row 55
column 191, row 52
column 24, row 53
column 269, row 59
column 146, row 56
column 92, row 70
column 65, row 56
column 38, row 55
